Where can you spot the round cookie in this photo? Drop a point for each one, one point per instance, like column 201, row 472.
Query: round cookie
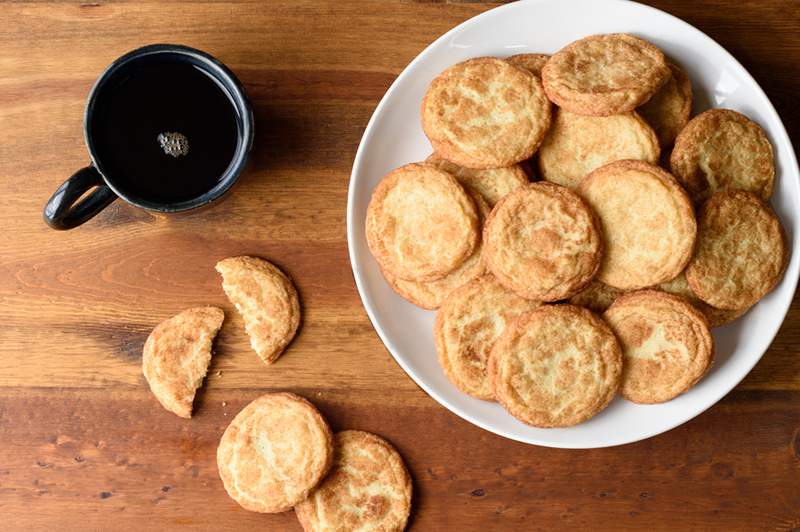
column 576, row 145
column 491, row 183
column 485, row 113
column 741, row 251
column 666, row 345
column 668, row 110
column 597, row 296
column 556, row 366
column 467, row 326
column 368, row 488
column 421, row 223
column 533, row 63
column 716, row 317
column 604, row 75
column 429, row 295
column 648, row 223
column 543, row 242
column 274, row 452
column 722, row 149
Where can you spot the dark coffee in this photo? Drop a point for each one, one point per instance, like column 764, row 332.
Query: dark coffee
column 165, row 130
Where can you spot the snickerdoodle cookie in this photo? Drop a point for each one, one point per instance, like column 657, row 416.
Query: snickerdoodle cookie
column 669, row 109
column 491, row 183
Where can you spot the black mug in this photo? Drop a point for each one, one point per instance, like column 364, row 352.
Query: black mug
column 109, row 174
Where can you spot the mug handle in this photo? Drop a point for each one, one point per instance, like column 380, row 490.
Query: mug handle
column 61, row 211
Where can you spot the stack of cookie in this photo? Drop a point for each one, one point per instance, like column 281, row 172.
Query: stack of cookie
column 606, row 275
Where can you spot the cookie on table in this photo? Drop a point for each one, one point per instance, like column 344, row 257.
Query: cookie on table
column 485, row 113
column 267, row 300
column 421, row 223
column 722, row 149
column 467, row 326
column 716, row 317
column 491, row 183
column 177, row 354
column 741, row 251
column 368, row 488
column 597, row 296
column 429, row 295
column 274, row 452
column 648, row 223
column 666, row 342
column 533, row 63
column 576, row 145
column 604, row 75
column 543, row 242
column 556, row 366
column 669, row 109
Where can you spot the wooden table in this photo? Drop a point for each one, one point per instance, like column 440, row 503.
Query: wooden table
column 85, row 446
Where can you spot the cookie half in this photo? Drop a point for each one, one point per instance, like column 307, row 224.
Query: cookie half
column 543, row 242
column 421, row 223
column 604, row 75
column 274, row 452
column 556, row 366
column 267, row 300
column 666, row 345
column 716, row 317
column 533, row 63
column 491, row 183
column 648, row 223
column 668, row 110
column 741, row 251
column 176, row 356
column 467, row 326
column 368, row 488
column 485, row 113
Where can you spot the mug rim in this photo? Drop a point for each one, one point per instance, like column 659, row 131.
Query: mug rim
column 221, row 74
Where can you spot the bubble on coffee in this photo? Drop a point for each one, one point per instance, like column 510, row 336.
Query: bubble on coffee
column 173, row 143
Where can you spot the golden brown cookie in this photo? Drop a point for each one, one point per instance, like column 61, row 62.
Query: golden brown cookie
column 576, row 145
column 597, row 296
column 368, row 488
column 485, row 113
column 741, row 251
column 267, row 301
column 666, row 345
column 543, row 242
column 421, row 223
column 555, row 366
column 604, row 75
column 274, row 452
column 669, row 109
column 491, row 183
column 177, row 354
column 533, row 63
column 722, row 149
column 429, row 295
column 716, row 317
column 648, row 223
column 469, row 322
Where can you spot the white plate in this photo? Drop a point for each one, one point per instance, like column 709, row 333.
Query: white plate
column 394, row 137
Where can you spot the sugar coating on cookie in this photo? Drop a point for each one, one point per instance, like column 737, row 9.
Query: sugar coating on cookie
column 597, row 296
column 267, row 300
column 741, row 251
column 485, row 113
column 176, row 356
column 469, row 322
column 274, row 452
column 648, row 223
column 668, row 110
column 421, row 223
column 556, row 366
column 721, row 149
column 429, row 295
column 666, row 345
column 716, row 317
column 533, row 63
column 543, row 242
column 576, row 145
column 491, row 183
column 368, row 488
column 604, row 75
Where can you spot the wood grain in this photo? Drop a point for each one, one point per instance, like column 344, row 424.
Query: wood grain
column 83, row 444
